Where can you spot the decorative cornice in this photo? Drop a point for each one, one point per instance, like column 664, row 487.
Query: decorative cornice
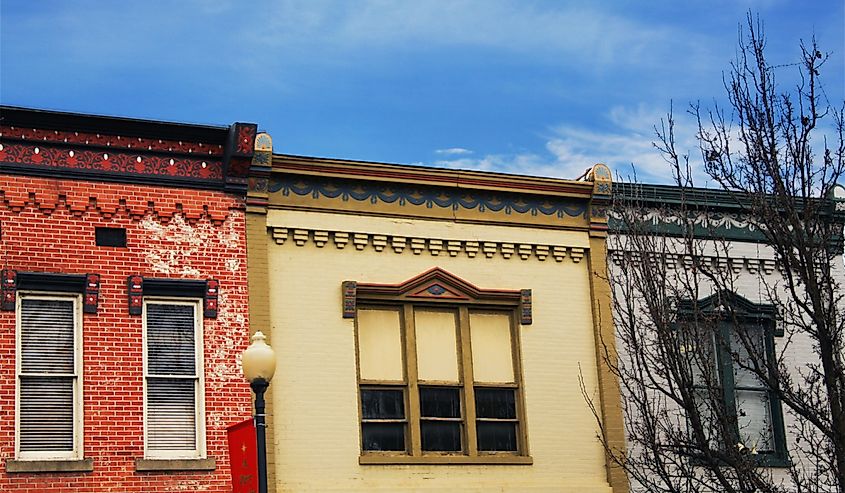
column 432, row 246
column 420, row 175
column 427, row 196
column 259, row 174
column 96, row 140
column 464, row 196
column 89, row 147
column 714, row 213
column 674, row 261
column 705, row 224
column 110, row 125
column 117, row 162
column 602, row 181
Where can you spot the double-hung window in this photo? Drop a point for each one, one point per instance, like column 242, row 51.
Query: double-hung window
column 174, row 425
column 734, row 346
column 439, row 382
column 49, row 367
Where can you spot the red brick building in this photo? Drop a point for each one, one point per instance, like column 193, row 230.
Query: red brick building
column 124, row 302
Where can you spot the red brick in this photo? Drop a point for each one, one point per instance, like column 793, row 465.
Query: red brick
column 63, row 242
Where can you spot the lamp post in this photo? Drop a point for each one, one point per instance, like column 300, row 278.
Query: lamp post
column 259, row 364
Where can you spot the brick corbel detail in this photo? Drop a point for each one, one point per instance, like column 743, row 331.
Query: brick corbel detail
column 47, row 199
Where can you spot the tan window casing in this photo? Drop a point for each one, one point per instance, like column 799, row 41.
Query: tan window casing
column 392, row 354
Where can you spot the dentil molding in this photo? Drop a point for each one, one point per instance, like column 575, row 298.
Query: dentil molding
column 431, row 246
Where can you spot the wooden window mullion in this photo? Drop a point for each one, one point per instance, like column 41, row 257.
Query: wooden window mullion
column 413, row 412
column 779, row 438
column 726, row 377
column 468, row 380
column 516, row 354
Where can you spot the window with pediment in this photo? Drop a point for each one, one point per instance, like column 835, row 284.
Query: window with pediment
column 730, row 343
column 439, row 370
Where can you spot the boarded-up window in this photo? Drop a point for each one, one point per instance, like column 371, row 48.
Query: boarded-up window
column 173, row 385
column 48, row 377
column 437, row 348
column 492, row 357
column 380, row 345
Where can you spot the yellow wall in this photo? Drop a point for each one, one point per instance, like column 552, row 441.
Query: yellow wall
column 315, row 397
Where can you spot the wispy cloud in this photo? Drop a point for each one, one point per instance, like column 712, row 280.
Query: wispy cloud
column 453, row 151
column 586, row 33
column 626, row 146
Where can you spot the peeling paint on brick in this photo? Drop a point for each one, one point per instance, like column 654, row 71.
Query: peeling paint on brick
column 176, row 247
column 230, row 337
column 188, row 485
column 233, row 265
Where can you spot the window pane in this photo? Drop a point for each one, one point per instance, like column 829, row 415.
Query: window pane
column 709, row 406
column 47, row 328
column 171, row 414
column 383, row 436
column 754, row 419
column 170, row 339
column 496, row 436
column 46, row 414
column 437, row 353
column 697, row 343
column 380, row 345
column 382, row 404
column 742, row 359
column 440, row 402
column 441, row 436
column 492, row 360
column 495, row 403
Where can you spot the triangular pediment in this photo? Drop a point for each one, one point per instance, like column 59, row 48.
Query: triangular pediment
column 439, row 290
column 437, row 284
column 725, row 300
column 731, row 306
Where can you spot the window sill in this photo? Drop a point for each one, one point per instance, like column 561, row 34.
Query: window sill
column 445, row 459
column 42, row 466
column 150, row 465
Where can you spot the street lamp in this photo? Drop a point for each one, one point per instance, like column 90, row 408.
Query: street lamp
column 259, row 364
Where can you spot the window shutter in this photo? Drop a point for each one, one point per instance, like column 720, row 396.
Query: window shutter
column 47, row 375
column 171, row 377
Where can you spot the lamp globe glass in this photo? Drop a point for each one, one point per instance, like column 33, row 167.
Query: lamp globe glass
column 259, row 360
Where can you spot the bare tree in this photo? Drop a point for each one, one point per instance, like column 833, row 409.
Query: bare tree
column 709, row 377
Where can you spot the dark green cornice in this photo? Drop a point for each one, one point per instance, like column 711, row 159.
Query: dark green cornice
column 721, row 214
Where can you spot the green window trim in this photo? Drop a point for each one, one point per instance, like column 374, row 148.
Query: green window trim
column 736, row 308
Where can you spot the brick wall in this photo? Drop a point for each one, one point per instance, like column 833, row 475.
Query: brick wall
column 48, row 226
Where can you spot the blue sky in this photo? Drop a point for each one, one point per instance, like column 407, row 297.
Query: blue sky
column 531, row 87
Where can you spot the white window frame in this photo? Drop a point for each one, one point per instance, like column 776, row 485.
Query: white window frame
column 199, row 451
column 76, row 453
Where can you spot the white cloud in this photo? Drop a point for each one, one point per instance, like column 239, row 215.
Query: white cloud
column 570, row 150
column 585, row 33
column 453, row 151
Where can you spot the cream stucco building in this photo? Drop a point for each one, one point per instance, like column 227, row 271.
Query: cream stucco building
column 433, row 328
